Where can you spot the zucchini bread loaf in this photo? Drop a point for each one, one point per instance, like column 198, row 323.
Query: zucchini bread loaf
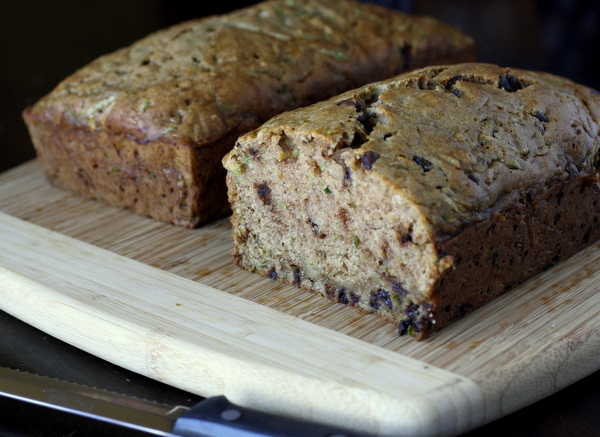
column 421, row 197
column 146, row 127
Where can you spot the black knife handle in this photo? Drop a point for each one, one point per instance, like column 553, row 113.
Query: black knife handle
column 217, row 416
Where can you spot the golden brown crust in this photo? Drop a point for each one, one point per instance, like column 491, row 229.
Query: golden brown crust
column 423, row 196
column 196, row 83
column 456, row 141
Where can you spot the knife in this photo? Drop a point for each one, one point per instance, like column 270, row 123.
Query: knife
column 211, row 417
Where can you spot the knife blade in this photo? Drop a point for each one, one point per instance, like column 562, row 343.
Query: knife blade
column 211, row 417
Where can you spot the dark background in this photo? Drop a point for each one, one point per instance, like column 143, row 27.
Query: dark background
column 42, row 42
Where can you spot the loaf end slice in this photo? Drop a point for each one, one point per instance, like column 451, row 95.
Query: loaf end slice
column 422, row 197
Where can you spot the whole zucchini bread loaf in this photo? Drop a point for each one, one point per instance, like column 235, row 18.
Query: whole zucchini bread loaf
column 146, row 127
column 421, row 197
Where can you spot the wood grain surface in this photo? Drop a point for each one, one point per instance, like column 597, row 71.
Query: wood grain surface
column 168, row 303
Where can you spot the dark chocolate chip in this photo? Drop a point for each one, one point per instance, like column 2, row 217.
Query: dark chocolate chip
column 453, row 81
column 424, row 163
column 473, row 178
column 368, row 121
column 297, row 277
column 403, row 327
column 411, row 311
column 509, row 83
column 347, row 175
column 457, row 92
column 398, row 288
column 342, row 298
column 541, row 116
column 363, row 118
column 272, row 273
column 354, row 298
column 264, row 193
column 313, row 224
column 374, row 300
column 384, row 297
column 368, row 159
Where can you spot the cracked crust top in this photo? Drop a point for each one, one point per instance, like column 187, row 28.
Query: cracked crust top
column 461, row 141
column 199, row 80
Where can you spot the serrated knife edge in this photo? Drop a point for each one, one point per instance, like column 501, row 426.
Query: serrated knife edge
column 210, row 417
column 98, row 404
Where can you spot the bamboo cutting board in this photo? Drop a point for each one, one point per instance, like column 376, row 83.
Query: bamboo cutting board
column 168, row 303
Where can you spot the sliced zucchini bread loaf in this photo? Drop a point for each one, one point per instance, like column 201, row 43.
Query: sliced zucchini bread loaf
column 421, row 197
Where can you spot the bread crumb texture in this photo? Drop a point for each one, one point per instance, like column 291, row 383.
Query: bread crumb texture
column 421, row 197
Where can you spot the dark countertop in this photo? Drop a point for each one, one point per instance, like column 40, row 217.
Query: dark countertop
column 43, row 42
